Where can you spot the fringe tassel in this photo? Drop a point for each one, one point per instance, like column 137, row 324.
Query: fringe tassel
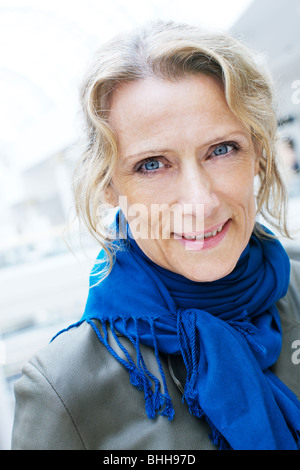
column 137, row 378
column 140, row 377
column 190, row 355
column 166, row 404
column 217, row 438
column 184, row 348
column 194, row 407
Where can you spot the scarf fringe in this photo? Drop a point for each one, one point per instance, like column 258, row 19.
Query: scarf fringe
column 217, row 438
column 156, row 402
column 190, row 354
column 193, row 405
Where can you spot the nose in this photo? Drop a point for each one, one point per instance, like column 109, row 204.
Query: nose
column 196, row 189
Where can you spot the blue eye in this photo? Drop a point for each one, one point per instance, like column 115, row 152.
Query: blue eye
column 223, row 149
column 151, row 165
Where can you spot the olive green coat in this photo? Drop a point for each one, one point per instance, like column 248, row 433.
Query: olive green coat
column 74, row 395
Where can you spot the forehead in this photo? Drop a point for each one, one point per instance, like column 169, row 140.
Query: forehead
column 157, row 108
column 151, row 95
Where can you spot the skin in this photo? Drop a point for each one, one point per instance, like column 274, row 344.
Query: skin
column 203, row 168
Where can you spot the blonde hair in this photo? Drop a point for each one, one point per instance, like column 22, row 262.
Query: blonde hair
column 173, row 51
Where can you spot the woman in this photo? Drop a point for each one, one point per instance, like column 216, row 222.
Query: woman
column 186, row 339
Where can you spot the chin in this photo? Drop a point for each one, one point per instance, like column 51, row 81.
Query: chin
column 211, row 273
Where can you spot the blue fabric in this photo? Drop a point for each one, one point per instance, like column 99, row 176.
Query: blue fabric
column 227, row 331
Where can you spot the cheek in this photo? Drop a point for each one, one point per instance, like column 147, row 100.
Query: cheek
column 243, row 194
column 238, row 183
column 246, row 207
column 146, row 203
column 237, row 193
column 246, row 194
column 149, row 221
column 144, row 215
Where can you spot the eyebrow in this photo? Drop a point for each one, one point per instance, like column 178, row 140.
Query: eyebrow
column 217, row 139
column 147, row 152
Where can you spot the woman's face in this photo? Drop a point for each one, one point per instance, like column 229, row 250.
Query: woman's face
column 185, row 171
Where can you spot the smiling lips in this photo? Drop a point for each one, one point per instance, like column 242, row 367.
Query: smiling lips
column 203, row 236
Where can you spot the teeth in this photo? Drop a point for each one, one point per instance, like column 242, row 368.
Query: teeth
column 206, row 235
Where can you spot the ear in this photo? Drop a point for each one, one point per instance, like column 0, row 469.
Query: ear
column 110, row 196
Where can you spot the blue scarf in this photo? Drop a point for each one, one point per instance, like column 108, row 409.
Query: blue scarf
column 227, row 332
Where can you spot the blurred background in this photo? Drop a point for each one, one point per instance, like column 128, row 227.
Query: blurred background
column 45, row 258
